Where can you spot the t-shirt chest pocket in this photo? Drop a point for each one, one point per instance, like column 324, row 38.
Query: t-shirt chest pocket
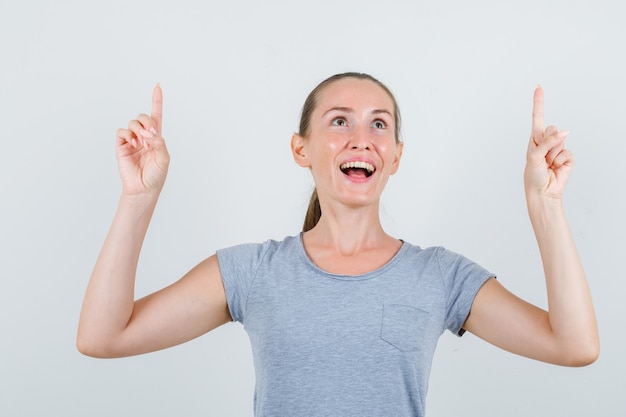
column 403, row 326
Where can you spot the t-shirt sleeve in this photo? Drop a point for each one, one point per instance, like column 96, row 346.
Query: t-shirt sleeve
column 462, row 278
column 238, row 267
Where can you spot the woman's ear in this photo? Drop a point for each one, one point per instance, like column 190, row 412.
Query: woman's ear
column 298, row 150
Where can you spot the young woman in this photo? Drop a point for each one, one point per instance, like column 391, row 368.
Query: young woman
column 343, row 318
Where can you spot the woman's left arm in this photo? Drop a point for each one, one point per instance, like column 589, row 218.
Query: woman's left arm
column 566, row 334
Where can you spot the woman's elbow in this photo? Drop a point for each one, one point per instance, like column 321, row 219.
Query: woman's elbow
column 583, row 354
column 90, row 346
column 87, row 349
column 589, row 357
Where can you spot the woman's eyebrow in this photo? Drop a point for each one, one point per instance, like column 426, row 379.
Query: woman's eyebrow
column 381, row 111
column 342, row 109
column 351, row 110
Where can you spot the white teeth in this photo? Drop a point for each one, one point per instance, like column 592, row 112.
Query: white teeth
column 358, row 164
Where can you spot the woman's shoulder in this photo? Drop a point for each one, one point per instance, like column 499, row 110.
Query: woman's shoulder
column 421, row 250
column 259, row 248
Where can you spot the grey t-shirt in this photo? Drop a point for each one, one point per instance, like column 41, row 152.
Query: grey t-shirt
column 341, row 345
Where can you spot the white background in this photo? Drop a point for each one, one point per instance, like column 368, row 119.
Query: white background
column 234, row 76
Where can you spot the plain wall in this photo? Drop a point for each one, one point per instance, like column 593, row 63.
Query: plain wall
column 234, row 76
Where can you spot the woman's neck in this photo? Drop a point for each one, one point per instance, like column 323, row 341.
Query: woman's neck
column 348, row 231
column 350, row 242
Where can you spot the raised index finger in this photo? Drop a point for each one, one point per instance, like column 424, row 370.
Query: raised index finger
column 537, row 128
column 157, row 107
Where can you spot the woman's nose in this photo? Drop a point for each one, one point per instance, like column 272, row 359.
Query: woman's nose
column 359, row 139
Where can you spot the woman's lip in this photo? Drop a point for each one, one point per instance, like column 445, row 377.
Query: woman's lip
column 358, row 179
column 371, row 169
column 357, row 159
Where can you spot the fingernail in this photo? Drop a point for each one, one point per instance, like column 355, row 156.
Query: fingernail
column 146, row 134
column 153, row 130
column 133, row 142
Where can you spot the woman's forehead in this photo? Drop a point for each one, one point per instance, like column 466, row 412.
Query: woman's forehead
column 354, row 93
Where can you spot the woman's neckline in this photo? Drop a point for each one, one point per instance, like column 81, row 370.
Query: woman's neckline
column 347, row 276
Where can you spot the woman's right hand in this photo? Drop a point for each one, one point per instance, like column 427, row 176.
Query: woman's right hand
column 112, row 323
column 141, row 152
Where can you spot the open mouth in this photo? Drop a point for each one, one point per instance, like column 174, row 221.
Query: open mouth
column 357, row 169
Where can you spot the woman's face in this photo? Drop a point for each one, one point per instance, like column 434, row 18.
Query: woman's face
column 351, row 147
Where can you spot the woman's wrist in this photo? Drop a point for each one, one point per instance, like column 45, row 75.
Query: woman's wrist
column 545, row 212
column 138, row 205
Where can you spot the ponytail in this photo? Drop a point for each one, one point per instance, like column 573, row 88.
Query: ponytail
column 313, row 213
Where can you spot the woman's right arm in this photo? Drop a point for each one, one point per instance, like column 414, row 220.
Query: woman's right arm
column 112, row 323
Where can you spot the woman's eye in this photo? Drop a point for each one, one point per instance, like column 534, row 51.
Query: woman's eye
column 379, row 124
column 339, row 121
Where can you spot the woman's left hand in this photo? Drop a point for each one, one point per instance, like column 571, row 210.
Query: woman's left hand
column 567, row 334
column 548, row 163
